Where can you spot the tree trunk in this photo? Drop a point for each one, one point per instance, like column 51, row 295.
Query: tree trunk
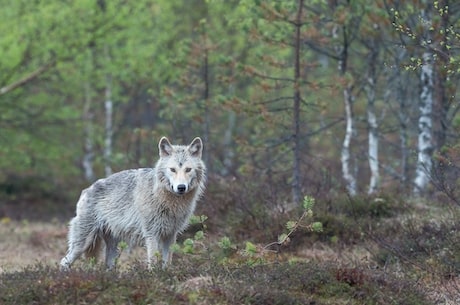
column 373, row 148
column 108, row 126
column 296, row 189
column 88, row 156
column 425, row 122
column 425, row 140
column 373, row 139
column 345, row 155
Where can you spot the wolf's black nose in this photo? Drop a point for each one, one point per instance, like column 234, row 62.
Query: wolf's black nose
column 181, row 188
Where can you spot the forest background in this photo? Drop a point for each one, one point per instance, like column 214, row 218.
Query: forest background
column 314, row 97
column 332, row 99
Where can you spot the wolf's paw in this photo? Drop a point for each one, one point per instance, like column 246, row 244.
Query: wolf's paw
column 64, row 265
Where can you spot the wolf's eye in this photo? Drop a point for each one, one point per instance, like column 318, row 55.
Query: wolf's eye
column 188, row 170
column 172, row 169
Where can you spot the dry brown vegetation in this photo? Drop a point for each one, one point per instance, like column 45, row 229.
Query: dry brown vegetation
column 372, row 251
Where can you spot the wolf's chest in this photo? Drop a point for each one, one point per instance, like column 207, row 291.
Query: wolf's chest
column 167, row 219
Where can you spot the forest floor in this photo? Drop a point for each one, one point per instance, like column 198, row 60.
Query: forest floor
column 408, row 259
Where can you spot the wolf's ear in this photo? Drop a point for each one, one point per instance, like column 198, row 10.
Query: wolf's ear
column 165, row 147
column 196, row 147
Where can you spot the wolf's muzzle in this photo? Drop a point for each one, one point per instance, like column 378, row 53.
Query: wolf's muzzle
column 181, row 188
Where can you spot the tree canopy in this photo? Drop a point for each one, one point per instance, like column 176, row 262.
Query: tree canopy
column 312, row 96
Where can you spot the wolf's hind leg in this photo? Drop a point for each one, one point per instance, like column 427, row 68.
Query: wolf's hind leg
column 70, row 257
column 111, row 250
column 80, row 238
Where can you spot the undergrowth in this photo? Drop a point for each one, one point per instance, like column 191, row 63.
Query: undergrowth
column 259, row 266
column 199, row 282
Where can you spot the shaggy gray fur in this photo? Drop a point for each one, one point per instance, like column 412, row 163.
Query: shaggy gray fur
column 147, row 206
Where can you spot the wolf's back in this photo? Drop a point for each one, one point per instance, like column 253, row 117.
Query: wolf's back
column 114, row 198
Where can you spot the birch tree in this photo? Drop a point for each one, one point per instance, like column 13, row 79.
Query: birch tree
column 425, row 145
column 434, row 32
column 340, row 27
column 425, row 140
column 371, row 36
column 343, row 34
column 373, row 138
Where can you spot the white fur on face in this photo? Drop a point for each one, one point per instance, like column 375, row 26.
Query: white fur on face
column 180, row 166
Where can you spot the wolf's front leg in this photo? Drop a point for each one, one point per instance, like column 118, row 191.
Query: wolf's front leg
column 111, row 251
column 152, row 248
column 165, row 247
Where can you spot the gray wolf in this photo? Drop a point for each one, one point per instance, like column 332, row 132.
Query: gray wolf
column 146, row 206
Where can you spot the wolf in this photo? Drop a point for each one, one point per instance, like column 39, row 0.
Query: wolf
column 145, row 206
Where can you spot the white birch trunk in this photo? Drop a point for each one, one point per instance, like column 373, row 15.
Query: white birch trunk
column 88, row 157
column 373, row 145
column 425, row 125
column 345, row 155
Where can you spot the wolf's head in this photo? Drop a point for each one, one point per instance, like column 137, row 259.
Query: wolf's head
column 180, row 167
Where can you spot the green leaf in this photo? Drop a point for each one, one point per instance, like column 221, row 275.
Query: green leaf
column 250, row 248
column 317, row 227
column 283, row 238
column 290, row 225
column 308, row 202
column 199, row 235
column 225, row 243
column 188, row 246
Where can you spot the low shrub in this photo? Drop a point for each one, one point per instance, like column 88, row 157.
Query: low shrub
column 195, row 281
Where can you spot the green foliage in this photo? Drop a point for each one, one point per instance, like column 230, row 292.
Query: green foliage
column 122, row 245
column 250, row 249
column 198, row 219
column 304, row 221
column 228, row 65
column 188, row 246
column 199, row 235
column 308, row 203
column 317, row 227
column 225, row 244
column 195, row 245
